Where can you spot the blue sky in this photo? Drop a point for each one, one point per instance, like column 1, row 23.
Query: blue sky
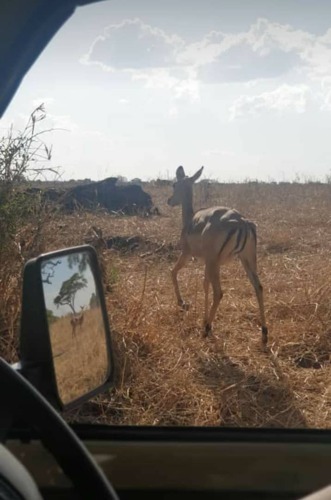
column 140, row 87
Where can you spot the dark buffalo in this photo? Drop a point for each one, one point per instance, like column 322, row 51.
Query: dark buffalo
column 128, row 199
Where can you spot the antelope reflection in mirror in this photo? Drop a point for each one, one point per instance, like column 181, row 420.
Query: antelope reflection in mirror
column 75, row 324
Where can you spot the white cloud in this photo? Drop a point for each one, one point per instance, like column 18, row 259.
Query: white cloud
column 266, row 50
column 131, row 45
column 145, row 54
column 156, row 78
column 164, row 78
column 208, row 49
column 90, row 59
column 326, row 93
column 173, row 111
column 282, row 99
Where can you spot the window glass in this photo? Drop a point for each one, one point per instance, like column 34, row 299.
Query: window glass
column 129, row 91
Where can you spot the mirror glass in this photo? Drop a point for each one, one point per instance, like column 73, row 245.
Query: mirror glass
column 76, row 325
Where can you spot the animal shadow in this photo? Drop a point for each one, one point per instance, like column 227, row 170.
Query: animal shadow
column 247, row 398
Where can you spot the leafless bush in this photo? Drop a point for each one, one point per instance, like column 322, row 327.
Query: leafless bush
column 24, row 156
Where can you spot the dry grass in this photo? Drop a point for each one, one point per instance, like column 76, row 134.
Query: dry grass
column 167, row 373
column 80, row 361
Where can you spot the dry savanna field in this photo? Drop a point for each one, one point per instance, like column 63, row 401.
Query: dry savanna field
column 80, row 360
column 166, row 373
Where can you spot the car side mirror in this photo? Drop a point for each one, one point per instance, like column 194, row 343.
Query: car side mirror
column 65, row 344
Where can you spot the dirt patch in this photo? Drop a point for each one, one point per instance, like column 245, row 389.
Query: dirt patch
column 275, row 248
column 144, row 247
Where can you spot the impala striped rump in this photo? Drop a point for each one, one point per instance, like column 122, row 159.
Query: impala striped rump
column 220, row 227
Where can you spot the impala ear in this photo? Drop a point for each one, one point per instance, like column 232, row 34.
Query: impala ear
column 180, row 173
column 197, row 174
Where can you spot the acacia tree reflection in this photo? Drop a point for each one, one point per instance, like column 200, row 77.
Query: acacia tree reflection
column 78, row 259
column 69, row 289
column 48, row 270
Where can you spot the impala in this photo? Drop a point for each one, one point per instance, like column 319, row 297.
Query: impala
column 215, row 235
column 77, row 320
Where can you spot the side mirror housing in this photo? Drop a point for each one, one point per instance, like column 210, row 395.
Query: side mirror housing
column 65, row 343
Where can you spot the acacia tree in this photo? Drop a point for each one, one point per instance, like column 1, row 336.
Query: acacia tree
column 68, row 290
column 80, row 259
column 48, row 270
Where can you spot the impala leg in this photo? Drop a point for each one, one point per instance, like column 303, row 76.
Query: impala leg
column 250, row 268
column 183, row 258
column 206, row 284
column 212, row 272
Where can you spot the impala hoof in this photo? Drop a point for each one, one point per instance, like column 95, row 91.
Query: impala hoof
column 264, row 335
column 184, row 306
column 207, row 330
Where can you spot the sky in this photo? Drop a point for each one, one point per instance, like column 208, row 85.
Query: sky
column 137, row 88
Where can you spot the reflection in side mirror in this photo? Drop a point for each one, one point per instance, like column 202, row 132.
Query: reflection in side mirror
column 75, row 323
column 65, row 340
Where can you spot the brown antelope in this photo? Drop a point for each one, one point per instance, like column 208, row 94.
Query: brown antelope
column 216, row 235
column 77, row 320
